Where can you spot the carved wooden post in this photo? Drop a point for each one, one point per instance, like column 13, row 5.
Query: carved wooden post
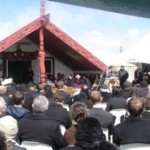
column 42, row 56
column 41, row 45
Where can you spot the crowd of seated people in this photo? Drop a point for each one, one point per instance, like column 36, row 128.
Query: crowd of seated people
column 40, row 115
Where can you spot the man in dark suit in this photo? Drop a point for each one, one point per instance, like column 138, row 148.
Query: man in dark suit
column 105, row 118
column 57, row 112
column 116, row 102
column 37, row 127
column 146, row 111
column 67, row 97
column 135, row 129
column 122, row 75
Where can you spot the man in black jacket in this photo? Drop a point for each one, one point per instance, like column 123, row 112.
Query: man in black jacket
column 37, row 127
column 135, row 129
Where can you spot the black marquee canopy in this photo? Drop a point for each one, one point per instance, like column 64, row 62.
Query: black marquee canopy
column 140, row 8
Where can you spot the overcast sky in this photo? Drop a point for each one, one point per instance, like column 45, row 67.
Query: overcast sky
column 94, row 29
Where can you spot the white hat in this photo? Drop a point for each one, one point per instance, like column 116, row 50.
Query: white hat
column 9, row 126
column 7, row 81
column 78, row 76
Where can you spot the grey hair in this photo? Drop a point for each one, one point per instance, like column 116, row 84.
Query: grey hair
column 40, row 104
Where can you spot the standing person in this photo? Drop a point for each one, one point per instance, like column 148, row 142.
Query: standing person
column 30, row 75
column 112, row 72
column 138, row 74
column 123, row 75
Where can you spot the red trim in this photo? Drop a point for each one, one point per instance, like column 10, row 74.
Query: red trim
column 75, row 46
column 20, row 34
column 44, row 21
column 41, row 56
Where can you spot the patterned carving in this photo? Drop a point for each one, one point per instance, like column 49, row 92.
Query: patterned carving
column 74, row 45
column 41, row 56
column 20, row 34
column 42, row 8
column 44, row 21
column 19, row 55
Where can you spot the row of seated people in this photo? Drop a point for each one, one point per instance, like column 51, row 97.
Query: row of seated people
column 54, row 113
column 37, row 127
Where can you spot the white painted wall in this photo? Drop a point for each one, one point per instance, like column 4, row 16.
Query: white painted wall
column 36, row 70
column 61, row 68
column 26, row 46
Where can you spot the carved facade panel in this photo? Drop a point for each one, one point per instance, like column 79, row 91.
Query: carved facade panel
column 20, row 34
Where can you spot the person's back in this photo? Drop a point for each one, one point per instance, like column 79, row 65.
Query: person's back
column 105, row 118
column 127, row 90
column 78, row 111
column 116, row 102
column 134, row 129
column 57, row 112
column 37, row 127
column 88, row 131
column 17, row 111
column 146, row 111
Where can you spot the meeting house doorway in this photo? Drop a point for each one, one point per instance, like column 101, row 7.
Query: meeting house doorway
column 16, row 70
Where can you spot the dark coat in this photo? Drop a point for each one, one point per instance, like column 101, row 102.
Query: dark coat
column 106, row 96
column 126, row 93
column 105, row 118
column 79, row 96
column 17, row 112
column 60, row 114
column 145, row 115
column 116, row 103
column 133, row 130
column 67, row 98
column 39, row 128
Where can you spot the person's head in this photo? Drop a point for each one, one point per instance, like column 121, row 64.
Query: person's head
column 59, row 97
column 95, row 97
column 122, row 67
column 3, row 106
column 103, row 145
column 9, row 126
column 40, row 104
column 78, row 111
column 112, row 69
column 144, row 83
column 117, row 91
column 127, row 85
column 136, row 91
column 77, row 76
column 84, row 88
column 135, row 106
column 32, row 86
column 147, row 103
column 3, row 145
column 3, row 89
column 48, row 91
column 89, row 130
column 18, row 97
column 139, row 66
column 60, row 84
